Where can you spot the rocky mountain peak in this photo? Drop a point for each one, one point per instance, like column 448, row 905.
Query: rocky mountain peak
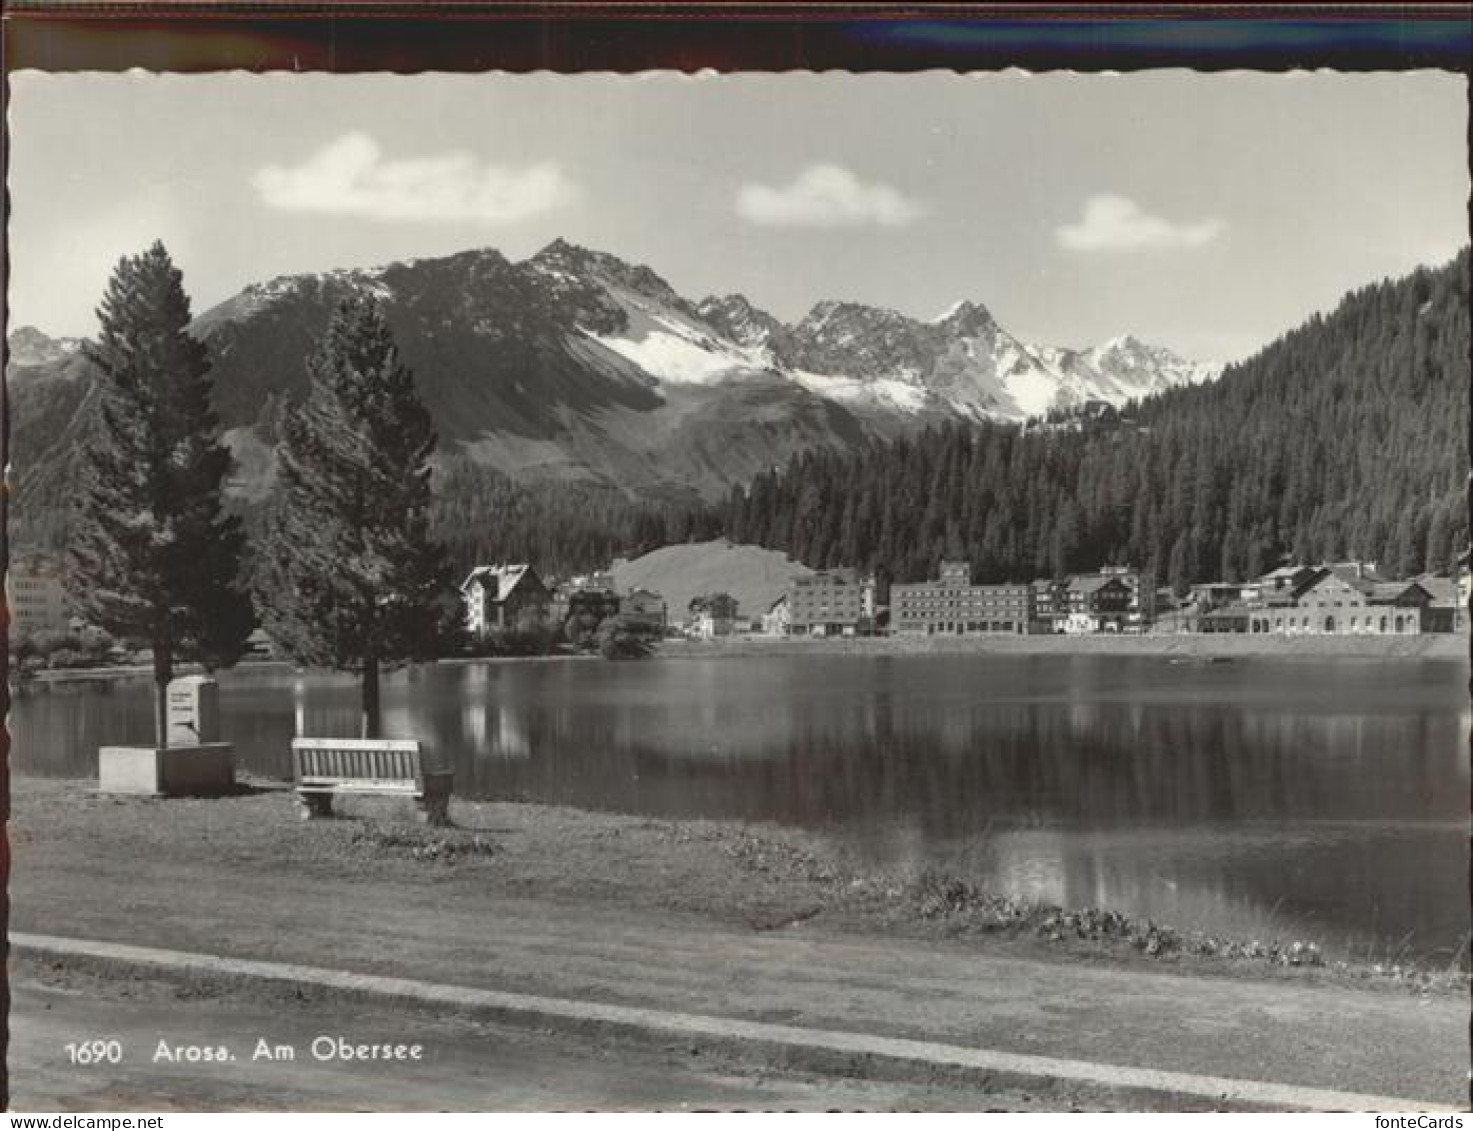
column 834, row 311
column 561, row 258
column 1129, row 352
column 736, row 318
column 966, row 318
column 862, row 341
column 29, row 346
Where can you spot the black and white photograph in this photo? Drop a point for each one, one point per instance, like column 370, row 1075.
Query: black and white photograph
column 738, row 592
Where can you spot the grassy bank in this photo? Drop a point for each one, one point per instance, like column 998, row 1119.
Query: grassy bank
column 85, row 862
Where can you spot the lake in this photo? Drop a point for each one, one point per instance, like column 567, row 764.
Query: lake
column 1323, row 800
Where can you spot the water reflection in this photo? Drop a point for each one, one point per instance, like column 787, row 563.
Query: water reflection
column 1254, row 796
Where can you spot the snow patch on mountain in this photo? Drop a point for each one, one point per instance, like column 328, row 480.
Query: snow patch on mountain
column 664, row 353
column 673, row 347
column 895, row 393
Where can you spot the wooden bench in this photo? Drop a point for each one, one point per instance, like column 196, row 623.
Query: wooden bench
column 325, row 767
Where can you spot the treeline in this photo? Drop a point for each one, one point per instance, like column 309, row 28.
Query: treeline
column 1344, row 439
column 483, row 516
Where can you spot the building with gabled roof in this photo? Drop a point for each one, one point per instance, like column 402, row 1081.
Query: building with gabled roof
column 1098, row 602
column 1345, row 599
column 777, row 620
column 1282, row 586
column 498, row 597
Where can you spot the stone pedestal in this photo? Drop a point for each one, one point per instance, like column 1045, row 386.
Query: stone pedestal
column 196, row 762
column 180, row 771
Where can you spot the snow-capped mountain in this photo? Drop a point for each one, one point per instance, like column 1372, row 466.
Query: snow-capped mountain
column 575, row 364
column 868, row 359
column 630, row 320
column 741, row 322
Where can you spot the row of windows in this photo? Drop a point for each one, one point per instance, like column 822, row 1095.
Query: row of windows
column 925, row 599
column 967, row 598
column 956, row 595
column 1381, row 624
column 964, row 604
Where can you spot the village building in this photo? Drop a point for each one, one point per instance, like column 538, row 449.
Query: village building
column 1208, row 595
column 714, row 615
column 1347, row 599
column 1141, row 608
column 1097, row 603
column 600, row 604
column 36, row 599
column 1050, row 606
column 499, row 597
column 776, row 621
column 1448, row 609
column 710, row 625
column 1281, row 586
column 1216, row 606
column 646, row 608
column 1234, row 616
column 952, row 605
column 831, row 602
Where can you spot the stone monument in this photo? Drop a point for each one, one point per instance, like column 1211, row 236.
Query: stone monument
column 195, row 762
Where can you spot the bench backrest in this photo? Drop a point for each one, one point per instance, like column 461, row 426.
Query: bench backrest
column 357, row 759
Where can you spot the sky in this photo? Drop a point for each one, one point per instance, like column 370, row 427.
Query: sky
column 1207, row 213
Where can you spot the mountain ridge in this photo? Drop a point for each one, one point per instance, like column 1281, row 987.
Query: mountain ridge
column 579, row 366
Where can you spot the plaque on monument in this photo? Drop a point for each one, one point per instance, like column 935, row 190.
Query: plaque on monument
column 194, row 710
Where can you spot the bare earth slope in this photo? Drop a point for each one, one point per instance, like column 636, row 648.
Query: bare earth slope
column 754, row 576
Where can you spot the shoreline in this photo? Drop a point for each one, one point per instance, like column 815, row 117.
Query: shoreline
column 1184, row 647
column 125, row 671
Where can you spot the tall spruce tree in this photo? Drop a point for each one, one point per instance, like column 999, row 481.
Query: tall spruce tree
column 350, row 577
column 152, row 556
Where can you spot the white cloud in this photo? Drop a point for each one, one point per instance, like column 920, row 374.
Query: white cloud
column 827, row 196
column 352, row 177
column 1117, row 223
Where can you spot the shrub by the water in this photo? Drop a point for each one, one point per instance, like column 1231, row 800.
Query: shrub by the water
column 620, row 638
column 61, row 650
